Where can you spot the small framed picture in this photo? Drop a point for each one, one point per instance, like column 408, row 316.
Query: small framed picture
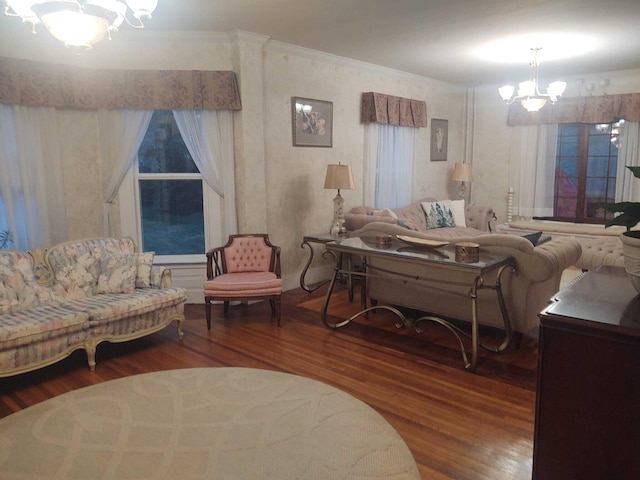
column 311, row 122
column 439, row 139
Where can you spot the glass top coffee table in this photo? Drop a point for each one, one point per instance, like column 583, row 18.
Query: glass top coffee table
column 432, row 260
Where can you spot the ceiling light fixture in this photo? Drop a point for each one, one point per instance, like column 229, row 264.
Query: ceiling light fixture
column 81, row 23
column 528, row 93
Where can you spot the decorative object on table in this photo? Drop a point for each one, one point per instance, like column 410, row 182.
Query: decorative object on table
column 467, row 252
column 629, row 217
column 339, row 177
column 81, row 24
column 439, row 139
column 384, row 240
column 311, row 122
column 422, row 242
column 462, row 174
column 528, row 93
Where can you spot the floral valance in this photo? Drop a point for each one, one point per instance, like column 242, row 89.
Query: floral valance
column 30, row 83
column 601, row 109
column 387, row 109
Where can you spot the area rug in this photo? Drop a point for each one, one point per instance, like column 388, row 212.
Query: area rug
column 203, row 423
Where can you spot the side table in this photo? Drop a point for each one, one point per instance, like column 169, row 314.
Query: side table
column 322, row 239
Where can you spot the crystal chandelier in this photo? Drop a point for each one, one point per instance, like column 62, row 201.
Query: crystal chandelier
column 529, row 94
column 81, row 23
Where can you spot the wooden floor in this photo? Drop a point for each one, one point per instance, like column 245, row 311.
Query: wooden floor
column 458, row 425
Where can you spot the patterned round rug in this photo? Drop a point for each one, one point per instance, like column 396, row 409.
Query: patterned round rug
column 203, row 423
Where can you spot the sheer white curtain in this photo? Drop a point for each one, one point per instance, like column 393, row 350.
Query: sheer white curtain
column 628, row 186
column 31, row 183
column 532, row 172
column 208, row 135
column 388, row 165
column 121, row 134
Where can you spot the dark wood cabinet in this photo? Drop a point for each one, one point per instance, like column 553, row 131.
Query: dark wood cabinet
column 588, row 399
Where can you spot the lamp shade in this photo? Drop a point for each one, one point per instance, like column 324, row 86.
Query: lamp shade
column 461, row 172
column 339, row 177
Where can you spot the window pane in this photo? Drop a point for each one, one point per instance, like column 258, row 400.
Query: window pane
column 596, row 188
column 599, row 144
column 566, row 207
column 163, row 150
column 568, row 146
column 172, row 216
column 568, row 129
column 598, row 166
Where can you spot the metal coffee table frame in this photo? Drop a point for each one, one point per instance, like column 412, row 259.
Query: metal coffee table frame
column 472, row 278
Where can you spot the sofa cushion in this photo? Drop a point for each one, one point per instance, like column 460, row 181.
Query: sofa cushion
column 458, row 210
column 438, row 214
column 143, row 275
column 19, row 289
column 39, row 323
column 117, row 273
column 112, row 307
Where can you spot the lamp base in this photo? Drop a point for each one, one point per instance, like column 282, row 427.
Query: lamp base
column 337, row 225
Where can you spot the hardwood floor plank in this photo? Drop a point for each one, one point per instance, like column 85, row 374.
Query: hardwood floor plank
column 458, row 425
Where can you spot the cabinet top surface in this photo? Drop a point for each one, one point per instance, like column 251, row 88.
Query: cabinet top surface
column 605, row 297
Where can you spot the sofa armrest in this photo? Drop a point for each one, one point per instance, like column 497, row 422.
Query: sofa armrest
column 479, row 216
column 160, row 277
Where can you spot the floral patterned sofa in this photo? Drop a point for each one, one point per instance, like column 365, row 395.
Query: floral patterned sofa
column 76, row 295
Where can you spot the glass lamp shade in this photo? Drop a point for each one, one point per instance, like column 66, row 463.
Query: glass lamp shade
column 556, row 89
column 76, row 29
column 533, row 104
column 506, row 92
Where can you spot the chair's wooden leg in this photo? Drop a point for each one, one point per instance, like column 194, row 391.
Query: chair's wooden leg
column 208, row 311
column 278, row 310
column 226, row 309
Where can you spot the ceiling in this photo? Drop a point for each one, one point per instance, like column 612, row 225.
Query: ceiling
column 438, row 39
column 433, row 38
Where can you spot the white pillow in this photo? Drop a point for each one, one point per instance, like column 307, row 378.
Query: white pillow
column 457, row 208
column 387, row 212
column 438, row 214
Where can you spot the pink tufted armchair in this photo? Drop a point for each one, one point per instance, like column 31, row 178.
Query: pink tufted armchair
column 246, row 268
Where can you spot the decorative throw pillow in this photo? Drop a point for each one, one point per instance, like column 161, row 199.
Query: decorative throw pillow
column 18, row 287
column 534, row 238
column 143, row 276
column 118, row 274
column 386, row 212
column 457, row 208
column 438, row 214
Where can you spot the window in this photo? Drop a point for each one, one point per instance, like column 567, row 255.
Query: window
column 585, row 174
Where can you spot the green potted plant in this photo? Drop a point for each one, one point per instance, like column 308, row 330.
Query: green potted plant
column 629, row 217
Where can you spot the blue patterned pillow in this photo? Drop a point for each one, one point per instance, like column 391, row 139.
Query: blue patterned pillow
column 438, row 214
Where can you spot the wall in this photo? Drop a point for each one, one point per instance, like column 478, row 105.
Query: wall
column 279, row 187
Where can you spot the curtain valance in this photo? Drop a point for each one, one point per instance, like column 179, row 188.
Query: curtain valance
column 387, row 109
column 24, row 82
column 601, row 109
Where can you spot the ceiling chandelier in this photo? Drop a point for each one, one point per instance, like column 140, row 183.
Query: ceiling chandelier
column 81, row 23
column 528, row 93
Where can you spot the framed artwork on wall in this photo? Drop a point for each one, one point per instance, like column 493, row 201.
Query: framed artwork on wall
column 439, row 139
column 311, row 122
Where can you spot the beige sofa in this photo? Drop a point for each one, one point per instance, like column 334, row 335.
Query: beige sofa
column 76, row 295
column 478, row 219
column 527, row 291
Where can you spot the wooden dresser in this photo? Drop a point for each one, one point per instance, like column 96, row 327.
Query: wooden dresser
column 588, row 400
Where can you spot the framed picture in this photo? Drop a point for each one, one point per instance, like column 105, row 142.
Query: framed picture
column 439, row 139
column 312, row 122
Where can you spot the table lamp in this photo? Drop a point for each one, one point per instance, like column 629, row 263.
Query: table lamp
column 462, row 174
column 339, row 177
